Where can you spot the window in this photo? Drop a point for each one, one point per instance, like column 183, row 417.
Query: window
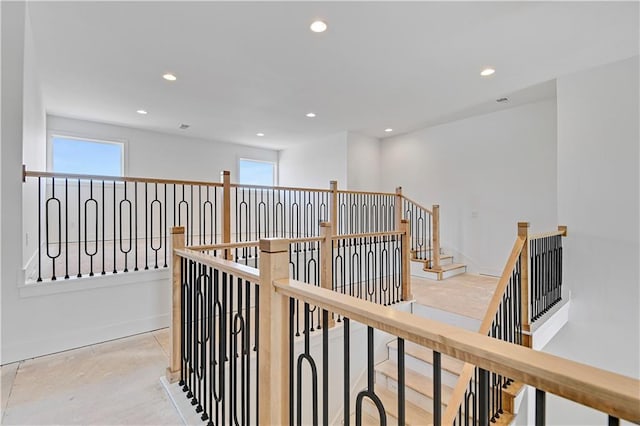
column 86, row 156
column 254, row 172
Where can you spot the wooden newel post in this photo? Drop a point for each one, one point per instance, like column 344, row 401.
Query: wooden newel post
column 333, row 220
column 273, row 350
column 225, row 178
column 398, row 208
column 326, row 258
column 175, row 357
column 435, row 258
column 523, row 232
column 406, row 258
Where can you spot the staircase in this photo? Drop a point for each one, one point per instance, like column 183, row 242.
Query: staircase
column 419, row 387
column 422, row 265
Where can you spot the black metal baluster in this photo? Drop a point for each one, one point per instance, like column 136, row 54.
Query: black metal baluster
column 79, row 228
column 370, row 391
column 346, row 337
column 146, row 227
column 104, row 234
column 483, row 397
column 401, row 383
column 162, row 228
column 39, row 229
column 540, row 408
column 115, row 269
column 292, row 401
column 66, row 229
column 90, row 254
column 135, row 219
column 437, row 388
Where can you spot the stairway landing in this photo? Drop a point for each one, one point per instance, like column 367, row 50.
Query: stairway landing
column 466, row 294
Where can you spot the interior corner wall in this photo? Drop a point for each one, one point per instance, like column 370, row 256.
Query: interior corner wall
column 314, row 164
column 162, row 155
column 363, row 162
column 598, row 197
column 487, row 173
column 12, row 51
column 34, row 141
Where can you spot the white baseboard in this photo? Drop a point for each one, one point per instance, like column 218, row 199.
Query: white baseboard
column 81, row 337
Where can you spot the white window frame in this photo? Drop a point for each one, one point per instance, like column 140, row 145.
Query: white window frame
column 80, row 137
column 273, row 163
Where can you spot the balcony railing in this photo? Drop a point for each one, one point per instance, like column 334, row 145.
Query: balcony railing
column 286, row 381
column 101, row 225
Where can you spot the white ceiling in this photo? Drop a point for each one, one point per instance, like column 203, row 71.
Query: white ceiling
column 248, row 67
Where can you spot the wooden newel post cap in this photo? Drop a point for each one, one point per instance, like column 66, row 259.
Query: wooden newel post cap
column 436, row 206
column 324, row 224
column 274, row 245
column 177, row 230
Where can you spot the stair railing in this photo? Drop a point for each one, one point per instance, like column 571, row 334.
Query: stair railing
column 97, row 225
column 545, row 264
column 237, row 360
column 425, row 229
column 531, row 279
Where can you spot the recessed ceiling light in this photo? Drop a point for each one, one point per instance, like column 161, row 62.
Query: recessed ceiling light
column 260, row 134
column 169, row 77
column 388, row 129
column 487, row 72
column 311, row 114
column 141, row 112
column 318, row 26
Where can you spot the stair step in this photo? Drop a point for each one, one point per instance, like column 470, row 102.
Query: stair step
column 445, row 259
column 447, row 363
column 414, row 415
column 367, row 420
column 414, row 380
column 450, row 267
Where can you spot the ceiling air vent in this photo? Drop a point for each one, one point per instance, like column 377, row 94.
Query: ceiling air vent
column 502, row 100
column 184, row 126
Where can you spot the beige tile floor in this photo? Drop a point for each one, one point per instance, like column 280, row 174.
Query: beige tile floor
column 112, row 383
column 466, row 294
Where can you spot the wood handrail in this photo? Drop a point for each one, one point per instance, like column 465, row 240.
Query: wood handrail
column 28, row 173
column 344, row 191
column 224, row 246
column 602, row 390
column 416, row 204
column 237, row 270
column 255, row 243
column 467, row 371
column 548, row 234
column 278, row 188
column 367, row 235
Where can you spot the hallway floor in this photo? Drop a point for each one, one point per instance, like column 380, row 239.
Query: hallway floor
column 111, row 383
column 117, row 382
column 466, row 294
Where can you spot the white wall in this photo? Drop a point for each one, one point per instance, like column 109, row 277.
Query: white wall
column 153, row 154
column 598, row 196
column 38, row 320
column 487, row 173
column 34, row 141
column 314, row 164
column 363, row 162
